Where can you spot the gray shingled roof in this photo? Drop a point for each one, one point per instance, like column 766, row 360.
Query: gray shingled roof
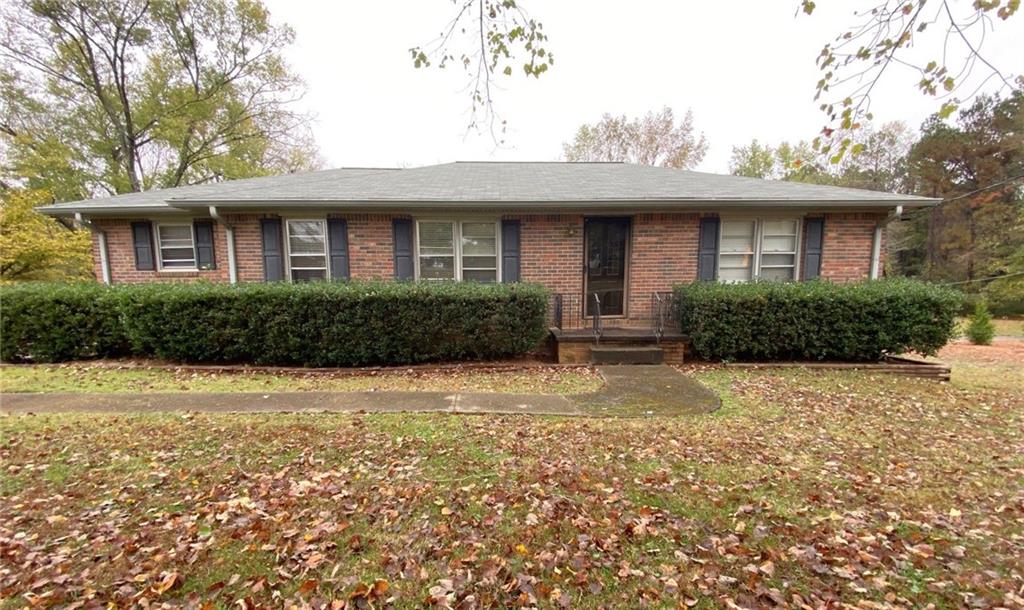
column 493, row 183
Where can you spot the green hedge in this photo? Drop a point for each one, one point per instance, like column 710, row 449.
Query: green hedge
column 315, row 324
column 859, row 322
column 55, row 322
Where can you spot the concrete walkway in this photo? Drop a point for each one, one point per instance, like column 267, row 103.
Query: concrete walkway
column 630, row 390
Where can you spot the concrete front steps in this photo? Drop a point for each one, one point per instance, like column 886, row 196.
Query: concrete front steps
column 617, row 346
column 626, row 354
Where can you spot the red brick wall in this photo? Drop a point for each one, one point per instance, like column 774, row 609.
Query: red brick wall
column 663, row 252
column 370, row 246
column 370, row 250
column 248, row 246
column 846, row 251
column 552, row 251
column 122, row 257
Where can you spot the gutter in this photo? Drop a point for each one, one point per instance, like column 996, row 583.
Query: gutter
column 101, row 236
column 229, row 235
column 704, row 203
column 876, row 242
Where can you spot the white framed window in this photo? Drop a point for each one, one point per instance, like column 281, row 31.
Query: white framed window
column 176, row 244
column 307, row 250
column 479, row 251
column 777, row 258
column 758, row 248
column 457, row 250
column 436, row 253
column 736, row 250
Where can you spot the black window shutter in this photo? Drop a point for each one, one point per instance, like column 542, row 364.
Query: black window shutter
column 205, row 258
column 142, row 240
column 813, row 247
column 337, row 237
column 510, row 250
column 707, row 249
column 402, row 230
column 273, row 249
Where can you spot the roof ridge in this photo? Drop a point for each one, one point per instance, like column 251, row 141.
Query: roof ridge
column 542, row 162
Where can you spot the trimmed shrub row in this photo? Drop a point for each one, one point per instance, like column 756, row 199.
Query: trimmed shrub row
column 315, row 324
column 859, row 322
column 56, row 322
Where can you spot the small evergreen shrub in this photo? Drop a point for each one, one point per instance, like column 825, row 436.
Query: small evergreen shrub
column 980, row 330
column 774, row 321
column 315, row 324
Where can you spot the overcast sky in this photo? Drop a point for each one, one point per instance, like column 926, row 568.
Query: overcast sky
column 746, row 69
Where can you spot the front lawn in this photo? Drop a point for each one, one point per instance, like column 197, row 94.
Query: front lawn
column 806, row 488
column 106, row 377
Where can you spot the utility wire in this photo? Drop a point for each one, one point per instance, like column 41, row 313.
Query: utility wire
column 982, row 279
column 964, row 196
column 983, row 189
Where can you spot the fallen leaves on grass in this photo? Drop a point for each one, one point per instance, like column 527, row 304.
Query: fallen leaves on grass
column 807, row 490
column 111, row 377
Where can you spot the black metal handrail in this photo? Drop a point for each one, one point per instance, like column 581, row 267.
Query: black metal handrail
column 565, row 311
column 663, row 309
column 597, row 318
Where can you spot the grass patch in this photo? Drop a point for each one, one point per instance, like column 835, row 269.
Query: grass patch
column 100, row 378
column 807, row 482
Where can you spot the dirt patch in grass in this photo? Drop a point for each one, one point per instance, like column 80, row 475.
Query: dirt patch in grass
column 986, row 366
column 813, row 489
column 1002, row 350
column 107, row 377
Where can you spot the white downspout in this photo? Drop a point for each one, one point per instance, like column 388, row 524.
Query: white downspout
column 876, row 252
column 876, row 244
column 101, row 236
column 229, row 235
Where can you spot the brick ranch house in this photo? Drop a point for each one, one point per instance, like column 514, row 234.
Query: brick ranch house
column 607, row 237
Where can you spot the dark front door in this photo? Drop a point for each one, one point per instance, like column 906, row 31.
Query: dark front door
column 606, row 241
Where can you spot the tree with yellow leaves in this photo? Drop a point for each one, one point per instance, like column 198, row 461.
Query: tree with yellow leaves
column 37, row 247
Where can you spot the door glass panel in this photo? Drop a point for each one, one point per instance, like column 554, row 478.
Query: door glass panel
column 606, row 240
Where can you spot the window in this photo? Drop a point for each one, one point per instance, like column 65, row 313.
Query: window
column 778, row 250
column 437, row 250
column 307, row 250
column 480, row 252
column 176, row 244
column 763, row 249
column 449, row 250
column 736, row 251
